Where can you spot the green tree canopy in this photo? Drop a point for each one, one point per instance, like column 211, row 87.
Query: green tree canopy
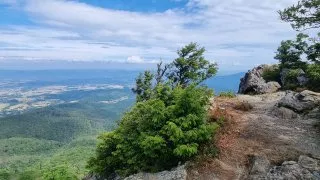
column 156, row 135
column 143, row 88
column 305, row 14
column 191, row 66
column 167, row 125
column 290, row 51
column 313, row 51
column 304, row 52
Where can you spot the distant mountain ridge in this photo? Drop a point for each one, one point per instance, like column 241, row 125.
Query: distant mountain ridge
column 225, row 82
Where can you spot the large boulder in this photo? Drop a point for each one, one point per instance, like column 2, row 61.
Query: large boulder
column 253, row 82
column 305, row 168
column 179, row 173
column 300, row 102
column 290, row 170
column 259, row 167
column 309, row 163
column 284, row 113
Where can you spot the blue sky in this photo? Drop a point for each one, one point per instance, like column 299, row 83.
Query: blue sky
column 238, row 34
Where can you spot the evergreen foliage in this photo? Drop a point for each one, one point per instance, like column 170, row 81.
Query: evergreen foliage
column 289, row 53
column 155, row 135
column 167, row 125
column 303, row 15
column 313, row 73
column 191, row 66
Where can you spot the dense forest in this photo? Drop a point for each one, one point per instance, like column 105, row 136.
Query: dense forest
column 57, row 139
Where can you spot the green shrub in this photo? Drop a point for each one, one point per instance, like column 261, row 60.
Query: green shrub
column 61, row 172
column 228, row 94
column 156, row 134
column 291, row 81
column 4, row 174
column 271, row 73
column 29, row 175
column 313, row 73
column 167, row 125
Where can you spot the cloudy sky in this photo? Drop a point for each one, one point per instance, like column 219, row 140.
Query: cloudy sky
column 237, row 34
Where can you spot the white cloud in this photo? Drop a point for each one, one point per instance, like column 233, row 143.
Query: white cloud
column 244, row 31
column 140, row 60
column 135, row 59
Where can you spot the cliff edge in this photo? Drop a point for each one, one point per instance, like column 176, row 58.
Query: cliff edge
column 269, row 136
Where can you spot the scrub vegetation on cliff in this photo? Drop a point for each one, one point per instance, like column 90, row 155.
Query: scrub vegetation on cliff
column 169, row 122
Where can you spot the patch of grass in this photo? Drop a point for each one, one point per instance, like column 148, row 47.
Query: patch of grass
column 221, row 120
column 227, row 94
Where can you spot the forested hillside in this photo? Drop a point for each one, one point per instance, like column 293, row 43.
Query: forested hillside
column 58, row 138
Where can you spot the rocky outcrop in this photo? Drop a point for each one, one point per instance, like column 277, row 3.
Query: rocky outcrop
column 253, row 82
column 284, row 113
column 305, row 168
column 178, row 173
column 259, row 167
column 269, row 141
column 300, row 102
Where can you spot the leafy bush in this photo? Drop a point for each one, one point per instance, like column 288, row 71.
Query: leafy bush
column 4, row 174
column 271, row 73
column 289, row 52
column 313, row 73
column 291, row 81
column 61, row 172
column 228, row 94
column 167, row 125
column 156, row 135
column 29, row 175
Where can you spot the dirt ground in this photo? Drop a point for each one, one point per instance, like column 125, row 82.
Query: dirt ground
column 254, row 125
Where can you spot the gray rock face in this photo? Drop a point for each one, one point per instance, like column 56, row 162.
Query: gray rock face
column 284, row 113
column 271, row 87
column 300, row 102
column 253, row 82
column 178, row 173
column 315, row 113
column 97, row 177
column 260, row 165
column 289, row 170
column 308, row 163
column 305, row 168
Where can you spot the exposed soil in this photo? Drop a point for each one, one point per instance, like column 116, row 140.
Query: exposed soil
column 264, row 130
